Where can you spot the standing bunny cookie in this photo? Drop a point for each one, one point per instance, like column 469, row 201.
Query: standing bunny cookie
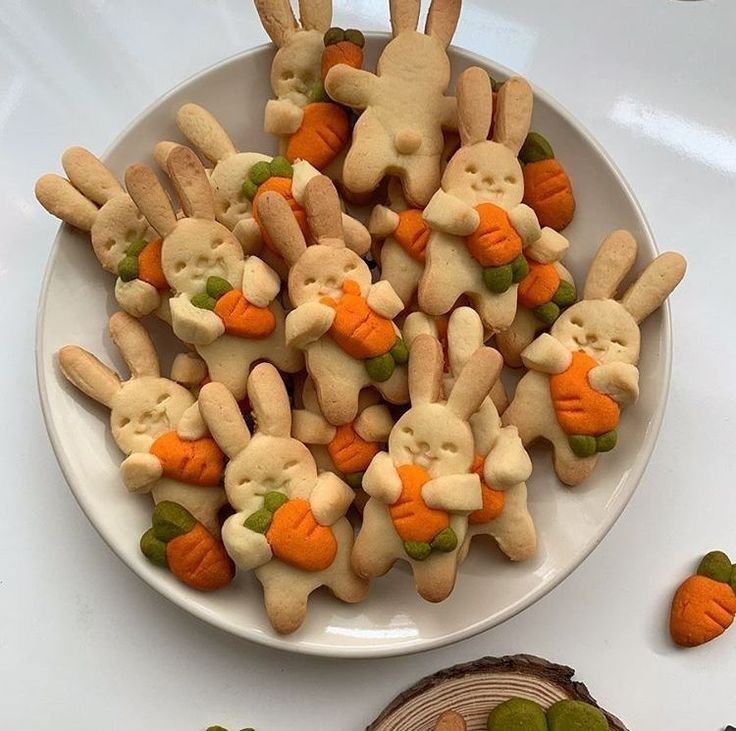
column 342, row 321
column 93, row 200
column 501, row 461
column 289, row 525
column 423, row 489
column 406, row 109
column 584, row 370
column 223, row 305
column 155, row 422
column 482, row 231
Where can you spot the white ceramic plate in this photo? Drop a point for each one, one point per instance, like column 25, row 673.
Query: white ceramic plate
column 76, row 301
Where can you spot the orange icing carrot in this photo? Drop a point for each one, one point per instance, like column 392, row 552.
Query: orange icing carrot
column 539, row 286
column 199, row 560
column 198, row 462
column 342, row 52
column 242, row 318
column 702, row 609
column 349, row 451
column 547, row 190
column 149, row 265
column 493, row 500
column 324, row 132
column 413, row 519
column 412, row 233
column 495, row 242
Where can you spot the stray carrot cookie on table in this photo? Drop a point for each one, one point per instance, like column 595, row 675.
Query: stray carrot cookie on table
column 584, row 370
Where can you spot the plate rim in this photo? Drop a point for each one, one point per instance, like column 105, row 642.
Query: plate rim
column 286, row 643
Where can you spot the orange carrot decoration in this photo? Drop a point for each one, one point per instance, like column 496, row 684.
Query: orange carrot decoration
column 243, row 319
column 324, row 133
column 349, row 451
column 198, row 462
column 149, row 265
column 413, row 519
column 494, row 501
column 495, row 242
column 539, row 285
column 342, row 46
column 704, row 605
column 547, row 188
column 412, row 233
column 183, row 545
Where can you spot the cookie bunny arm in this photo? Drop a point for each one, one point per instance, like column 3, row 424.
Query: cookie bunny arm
column 526, row 223
column 247, row 548
column 311, row 428
column 619, row 380
column 454, row 493
column 308, row 323
column 191, row 425
column 136, row 297
column 383, row 300
column 446, row 212
column 140, row 470
column 248, row 233
column 549, row 247
column 192, row 324
column 330, row 499
column 282, row 117
column 260, row 283
column 546, row 355
column 374, row 423
column 355, row 88
column 507, row 464
column 381, row 480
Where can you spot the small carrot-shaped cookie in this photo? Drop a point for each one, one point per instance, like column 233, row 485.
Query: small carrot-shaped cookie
column 705, row 604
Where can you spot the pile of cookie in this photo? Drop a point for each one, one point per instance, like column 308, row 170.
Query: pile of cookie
column 326, row 364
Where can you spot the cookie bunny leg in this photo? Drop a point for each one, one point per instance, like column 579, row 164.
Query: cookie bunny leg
column 420, row 179
column 394, row 390
column 338, row 397
column 444, row 277
column 496, row 310
column 570, row 468
column 363, row 172
column 514, row 529
column 285, row 600
column 377, row 545
column 435, row 577
column 344, row 583
column 401, row 270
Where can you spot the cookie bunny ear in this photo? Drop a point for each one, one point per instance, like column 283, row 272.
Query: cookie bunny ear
column 474, row 105
column 654, row 285
column 474, row 382
column 404, row 15
column 442, row 20
column 88, row 374
column 464, row 337
column 205, row 133
column 282, row 228
column 90, row 176
column 134, row 344
column 277, row 19
column 322, row 205
column 513, row 113
column 315, row 14
column 150, row 197
column 612, row 262
column 425, row 370
column 191, row 183
column 221, row 413
column 270, row 402
column 61, row 199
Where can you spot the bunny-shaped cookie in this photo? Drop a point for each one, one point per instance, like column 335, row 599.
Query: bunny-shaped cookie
column 155, row 422
column 343, row 323
column 93, row 200
column 289, row 525
column 584, row 370
column 346, row 450
column 400, row 131
column 225, row 306
column 423, row 489
column 237, row 177
column 482, row 231
column 501, row 461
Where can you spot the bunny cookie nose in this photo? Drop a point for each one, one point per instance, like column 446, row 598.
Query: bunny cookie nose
column 407, row 141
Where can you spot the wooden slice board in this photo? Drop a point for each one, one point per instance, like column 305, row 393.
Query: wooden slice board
column 474, row 688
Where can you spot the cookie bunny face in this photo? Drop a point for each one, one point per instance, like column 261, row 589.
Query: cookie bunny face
column 322, row 270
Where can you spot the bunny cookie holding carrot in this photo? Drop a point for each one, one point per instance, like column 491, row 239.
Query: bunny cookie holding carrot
column 342, row 321
column 481, row 230
column 584, row 370
column 405, row 104
column 290, row 524
column 223, row 304
column 423, row 489
column 500, row 461
column 93, row 200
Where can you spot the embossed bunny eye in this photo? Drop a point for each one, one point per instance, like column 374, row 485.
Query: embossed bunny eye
column 409, row 432
column 245, row 481
column 471, row 169
column 449, row 447
column 287, row 75
column 616, row 341
column 216, row 243
column 163, row 398
column 488, row 180
column 180, row 266
column 349, row 268
column 290, row 464
column 124, row 422
column 576, row 321
column 309, row 281
column 510, row 179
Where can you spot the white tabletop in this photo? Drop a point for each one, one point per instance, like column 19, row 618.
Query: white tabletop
column 85, row 644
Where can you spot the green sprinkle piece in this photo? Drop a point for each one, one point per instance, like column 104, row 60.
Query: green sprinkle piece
column 495, row 85
column 606, row 442
column 355, row 480
column 216, row 728
column 153, row 549
column 259, row 521
column 565, row 295
column 445, row 541
column 498, row 279
column 317, row 93
column 281, row 167
column 171, row 520
column 334, row 35
column 400, row 353
column 519, row 268
column 128, row 268
column 716, row 565
column 250, row 728
column 418, row 550
column 583, row 446
column 380, row 368
column 355, row 37
column 517, row 714
column 217, row 286
column 249, row 189
column 547, row 313
column 136, row 247
column 273, row 500
column 732, row 581
column 535, row 148
column 204, row 301
column 575, row 716
column 260, row 172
